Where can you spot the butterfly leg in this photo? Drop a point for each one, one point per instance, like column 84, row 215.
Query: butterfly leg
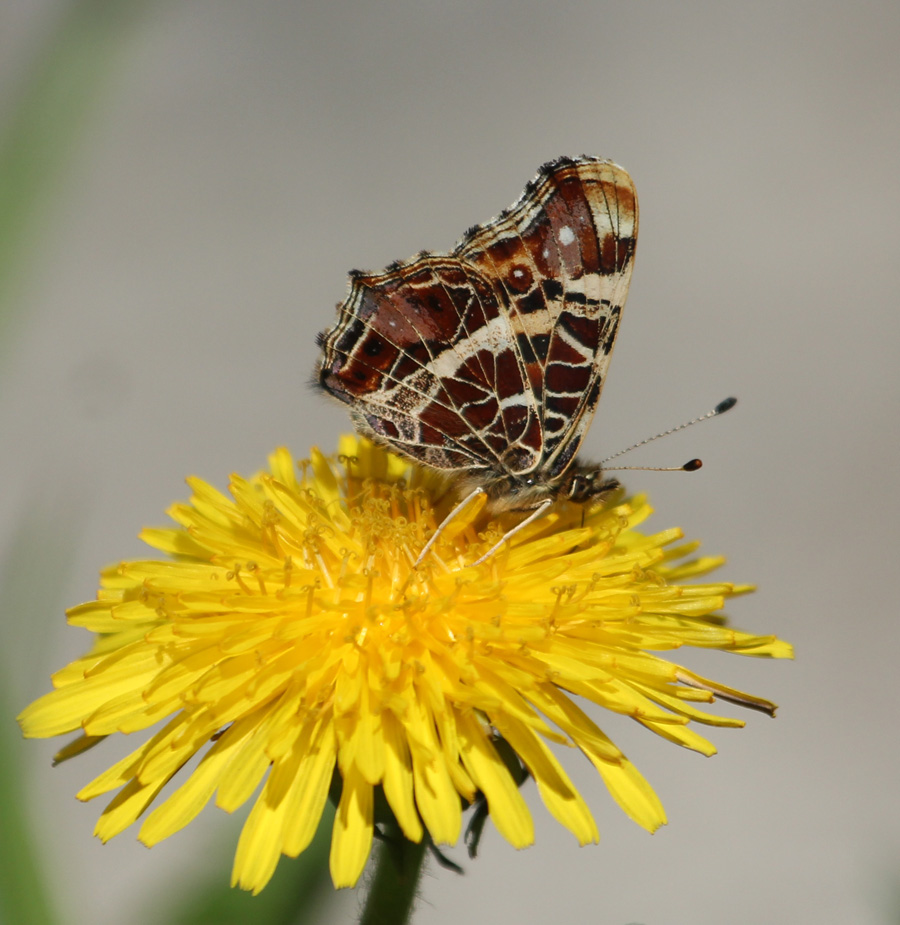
column 469, row 498
column 533, row 516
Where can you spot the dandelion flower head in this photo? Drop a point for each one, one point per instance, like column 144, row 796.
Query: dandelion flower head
column 287, row 639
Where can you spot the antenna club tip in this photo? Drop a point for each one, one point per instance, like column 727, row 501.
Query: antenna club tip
column 725, row 405
column 692, row 465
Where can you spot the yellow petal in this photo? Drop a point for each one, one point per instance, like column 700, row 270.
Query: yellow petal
column 259, row 846
column 556, row 790
column 125, row 807
column 491, row 776
column 398, row 779
column 351, row 839
column 184, row 804
column 307, row 797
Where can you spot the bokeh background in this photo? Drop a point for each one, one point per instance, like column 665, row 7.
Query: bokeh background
column 183, row 187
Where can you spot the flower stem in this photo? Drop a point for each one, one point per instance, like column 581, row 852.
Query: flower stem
column 397, row 872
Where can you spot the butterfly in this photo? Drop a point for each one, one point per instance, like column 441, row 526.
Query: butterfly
column 487, row 362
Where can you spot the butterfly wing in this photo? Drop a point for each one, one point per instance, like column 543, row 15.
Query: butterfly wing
column 493, row 357
column 421, row 354
column 561, row 258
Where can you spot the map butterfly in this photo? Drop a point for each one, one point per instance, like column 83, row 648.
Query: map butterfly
column 487, row 362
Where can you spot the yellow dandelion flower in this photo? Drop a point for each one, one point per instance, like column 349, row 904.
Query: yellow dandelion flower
column 289, row 638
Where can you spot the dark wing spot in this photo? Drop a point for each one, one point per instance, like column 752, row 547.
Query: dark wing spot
column 541, row 344
column 523, row 342
column 533, row 348
column 533, row 302
column 553, row 289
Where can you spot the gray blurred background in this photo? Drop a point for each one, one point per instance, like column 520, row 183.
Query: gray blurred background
column 222, row 165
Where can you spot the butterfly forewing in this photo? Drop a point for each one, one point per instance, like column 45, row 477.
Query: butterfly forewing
column 493, row 357
column 563, row 256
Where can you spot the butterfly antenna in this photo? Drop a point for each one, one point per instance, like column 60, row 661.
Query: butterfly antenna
column 690, row 466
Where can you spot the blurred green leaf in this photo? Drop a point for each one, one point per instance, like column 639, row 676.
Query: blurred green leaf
column 23, row 894
column 31, row 579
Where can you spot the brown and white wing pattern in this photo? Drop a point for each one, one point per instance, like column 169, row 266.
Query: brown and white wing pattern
column 493, row 357
column 420, row 355
column 562, row 258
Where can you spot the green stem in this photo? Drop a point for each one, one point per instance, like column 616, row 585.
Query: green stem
column 398, row 869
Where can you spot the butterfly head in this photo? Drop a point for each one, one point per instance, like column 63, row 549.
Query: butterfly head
column 525, row 492
column 585, row 483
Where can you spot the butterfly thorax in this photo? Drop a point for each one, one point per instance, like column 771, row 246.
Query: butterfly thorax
column 580, row 483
